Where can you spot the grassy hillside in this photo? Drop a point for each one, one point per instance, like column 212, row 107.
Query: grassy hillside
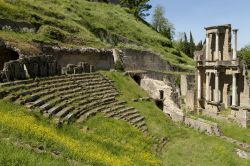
column 103, row 141
column 75, row 23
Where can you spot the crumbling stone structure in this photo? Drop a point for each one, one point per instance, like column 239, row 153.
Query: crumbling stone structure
column 82, row 67
column 221, row 77
column 30, row 67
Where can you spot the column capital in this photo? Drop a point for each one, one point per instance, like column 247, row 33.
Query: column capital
column 235, row 31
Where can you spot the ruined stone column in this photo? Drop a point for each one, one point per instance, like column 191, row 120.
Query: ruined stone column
column 207, row 86
column 235, row 44
column 217, row 47
column 234, row 90
column 217, row 91
column 199, row 85
column 207, row 47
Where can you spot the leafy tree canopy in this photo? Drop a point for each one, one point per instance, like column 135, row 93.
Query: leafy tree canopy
column 161, row 24
column 244, row 54
column 138, row 7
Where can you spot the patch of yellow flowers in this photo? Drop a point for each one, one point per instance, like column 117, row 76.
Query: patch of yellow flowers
column 85, row 150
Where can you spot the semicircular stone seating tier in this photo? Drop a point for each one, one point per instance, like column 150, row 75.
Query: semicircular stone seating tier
column 72, row 98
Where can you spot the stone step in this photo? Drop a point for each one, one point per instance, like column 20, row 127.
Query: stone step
column 41, row 94
column 57, row 82
column 56, row 109
column 127, row 109
column 140, row 124
column 96, row 102
column 8, row 84
column 54, row 80
column 44, row 79
column 114, row 111
column 61, row 90
column 88, row 114
column 128, row 112
column 54, row 102
column 100, row 106
column 97, row 96
column 42, row 101
column 130, row 115
column 137, row 120
column 62, row 113
column 55, row 86
column 81, row 110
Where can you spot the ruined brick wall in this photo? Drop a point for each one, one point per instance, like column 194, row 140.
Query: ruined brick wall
column 101, row 59
column 30, row 67
column 143, row 60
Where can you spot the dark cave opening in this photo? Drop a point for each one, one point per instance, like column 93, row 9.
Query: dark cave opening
column 159, row 104
column 137, row 79
column 6, row 55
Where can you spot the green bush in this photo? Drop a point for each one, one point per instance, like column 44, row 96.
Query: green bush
column 244, row 54
column 52, row 33
column 119, row 66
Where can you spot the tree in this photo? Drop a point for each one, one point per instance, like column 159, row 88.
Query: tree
column 138, row 7
column 199, row 46
column 186, row 48
column 161, row 24
column 191, row 45
column 244, row 54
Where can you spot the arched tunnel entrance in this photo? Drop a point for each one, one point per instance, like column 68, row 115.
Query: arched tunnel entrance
column 137, row 79
column 6, row 55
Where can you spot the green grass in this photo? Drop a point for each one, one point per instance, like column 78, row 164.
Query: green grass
column 75, row 23
column 24, row 157
column 103, row 141
column 186, row 146
column 96, row 142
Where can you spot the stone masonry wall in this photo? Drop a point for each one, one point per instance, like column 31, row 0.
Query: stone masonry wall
column 143, row 60
column 30, row 67
column 102, row 59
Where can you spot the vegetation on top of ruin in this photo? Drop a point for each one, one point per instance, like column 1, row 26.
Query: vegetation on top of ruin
column 79, row 23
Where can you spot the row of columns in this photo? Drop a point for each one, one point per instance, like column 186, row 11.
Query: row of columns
column 216, row 46
column 217, row 90
column 217, row 43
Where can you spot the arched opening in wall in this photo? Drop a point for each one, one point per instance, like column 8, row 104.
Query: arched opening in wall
column 159, row 104
column 137, row 79
column 6, row 55
column 161, row 94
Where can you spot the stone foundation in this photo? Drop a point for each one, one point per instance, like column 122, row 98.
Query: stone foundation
column 199, row 124
column 203, row 126
column 241, row 116
column 82, row 67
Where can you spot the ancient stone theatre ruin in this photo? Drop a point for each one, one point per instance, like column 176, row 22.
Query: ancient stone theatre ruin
column 221, row 77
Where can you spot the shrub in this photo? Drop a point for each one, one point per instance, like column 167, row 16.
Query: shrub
column 52, row 33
